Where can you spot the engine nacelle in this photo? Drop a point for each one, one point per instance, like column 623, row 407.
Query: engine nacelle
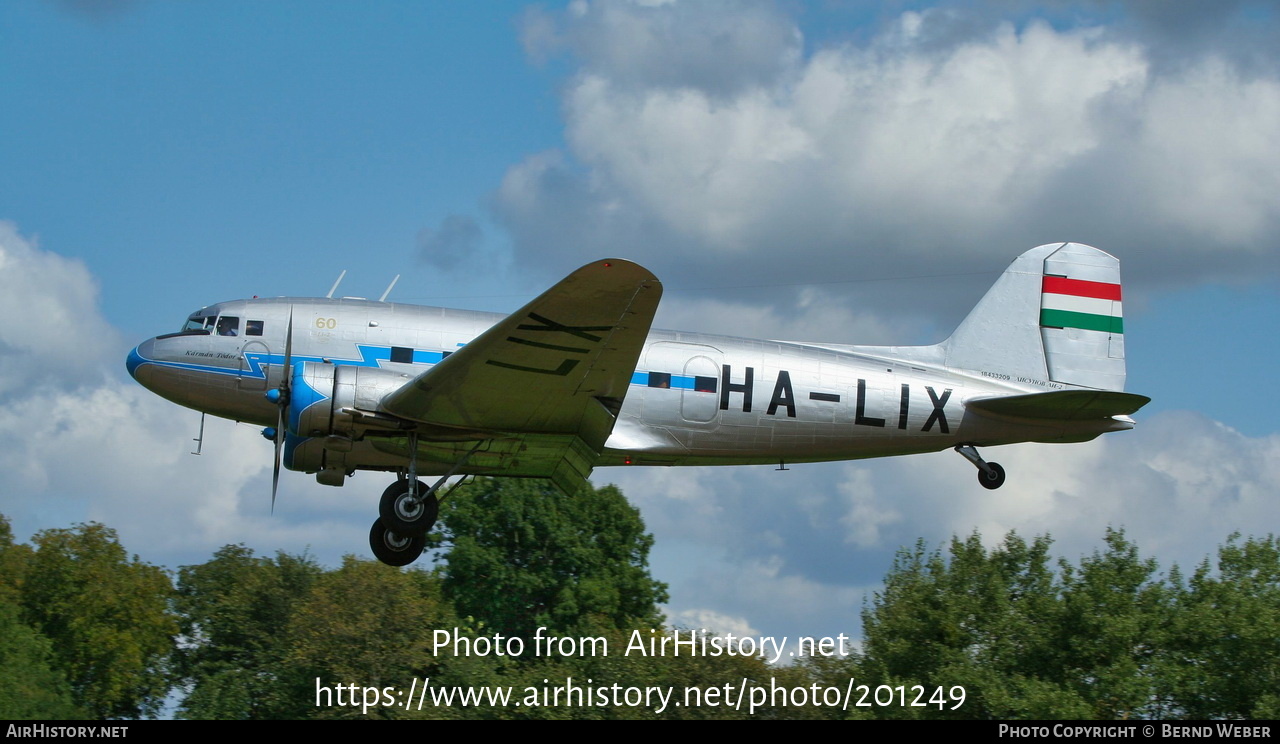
column 321, row 426
column 309, row 455
column 324, row 394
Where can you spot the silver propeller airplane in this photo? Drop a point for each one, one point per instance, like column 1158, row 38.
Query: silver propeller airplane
column 576, row 379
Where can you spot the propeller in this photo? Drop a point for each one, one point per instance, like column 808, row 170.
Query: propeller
column 280, row 396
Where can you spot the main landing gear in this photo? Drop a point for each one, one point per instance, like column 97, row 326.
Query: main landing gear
column 407, row 512
column 990, row 474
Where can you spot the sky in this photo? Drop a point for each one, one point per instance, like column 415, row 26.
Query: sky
column 831, row 171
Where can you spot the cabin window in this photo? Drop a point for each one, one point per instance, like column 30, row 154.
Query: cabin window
column 660, row 380
column 402, row 354
column 253, row 328
column 705, row 384
column 228, row 325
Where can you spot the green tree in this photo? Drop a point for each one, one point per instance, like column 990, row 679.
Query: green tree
column 1225, row 649
column 369, row 624
column 235, row 609
column 982, row 619
column 1107, row 638
column 518, row 554
column 1114, row 628
column 107, row 617
column 14, row 558
column 30, row 685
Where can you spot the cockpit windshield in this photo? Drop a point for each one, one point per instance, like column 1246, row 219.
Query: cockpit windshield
column 199, row 324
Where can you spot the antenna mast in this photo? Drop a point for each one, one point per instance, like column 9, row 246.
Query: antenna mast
column 334, row 288
column 383, row 298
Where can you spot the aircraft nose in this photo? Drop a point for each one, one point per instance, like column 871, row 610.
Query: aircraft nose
column 136, row 362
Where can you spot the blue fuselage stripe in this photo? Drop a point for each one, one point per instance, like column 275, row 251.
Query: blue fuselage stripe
column 370, row 356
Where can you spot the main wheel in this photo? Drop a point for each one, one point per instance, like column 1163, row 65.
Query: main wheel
column 405, row 515
column 994, row 479
column 392, row 548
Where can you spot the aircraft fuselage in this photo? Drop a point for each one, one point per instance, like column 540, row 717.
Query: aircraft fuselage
column 694, row 399
column 577, row 379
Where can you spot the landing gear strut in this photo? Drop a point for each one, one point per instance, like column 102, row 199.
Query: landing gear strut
column 990, row 474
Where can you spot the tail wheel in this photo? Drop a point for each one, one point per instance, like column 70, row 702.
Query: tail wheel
column 393, row 548
column 993, row 479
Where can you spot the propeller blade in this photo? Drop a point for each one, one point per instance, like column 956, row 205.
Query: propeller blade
column 283, row 403
column 275, row 474
column 288, row 352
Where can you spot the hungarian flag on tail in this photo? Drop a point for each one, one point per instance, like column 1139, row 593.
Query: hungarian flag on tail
column 1075, row 303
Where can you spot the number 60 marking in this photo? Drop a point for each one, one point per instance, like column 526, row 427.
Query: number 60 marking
column 327, row 323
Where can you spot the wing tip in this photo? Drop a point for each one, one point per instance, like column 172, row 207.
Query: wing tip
column 623, row 266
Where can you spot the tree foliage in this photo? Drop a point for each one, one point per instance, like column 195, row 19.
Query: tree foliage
column 1107, row 638
column 235, row 608
column 31, row 683
column 1224, row 653
column 1114, row 630
column 31, row 686
column 983, row 619
column 107, row 616
column 521, row 555
column 365, row 621
column 85, row 631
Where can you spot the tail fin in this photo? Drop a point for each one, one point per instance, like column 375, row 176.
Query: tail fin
column 1055, row 314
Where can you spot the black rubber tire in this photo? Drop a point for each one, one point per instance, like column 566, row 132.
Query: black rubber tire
column 995, row 479
column 394, row 549
column 394, row 513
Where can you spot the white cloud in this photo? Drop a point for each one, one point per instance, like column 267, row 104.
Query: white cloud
column 52, row 333
column 865, row 516
column 814, row 315
column 766, row 594
column 713, row 621
column 78, row 442
column 1207, row 147
column 1179, row 485
column 901, row 156
column 719, row 47
column 943, row 144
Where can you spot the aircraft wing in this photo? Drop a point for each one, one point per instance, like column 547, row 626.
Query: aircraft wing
column 1062, row 405
column 560, row 365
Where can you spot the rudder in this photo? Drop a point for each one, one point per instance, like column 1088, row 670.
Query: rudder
column 1081, row 318
column 1054, row 314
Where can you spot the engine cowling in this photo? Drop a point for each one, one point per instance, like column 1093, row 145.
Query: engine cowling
column 321, row 425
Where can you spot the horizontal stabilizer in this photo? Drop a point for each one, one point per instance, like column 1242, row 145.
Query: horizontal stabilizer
column 1062, row 405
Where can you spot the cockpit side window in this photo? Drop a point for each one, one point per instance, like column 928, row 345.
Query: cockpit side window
column 253, row 328
column 228, row 325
